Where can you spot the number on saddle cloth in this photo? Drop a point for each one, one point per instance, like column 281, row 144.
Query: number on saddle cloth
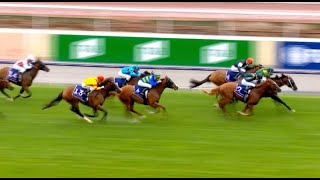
column 231, row 76
column 80, row 93
column 120, row 81
column 242, row 91
column 141, row 92
column 14, row 75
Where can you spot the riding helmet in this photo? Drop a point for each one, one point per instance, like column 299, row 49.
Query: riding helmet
column 100, row 77
column 250, row 60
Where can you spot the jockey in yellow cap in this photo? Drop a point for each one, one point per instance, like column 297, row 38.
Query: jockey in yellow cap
column 93, row 83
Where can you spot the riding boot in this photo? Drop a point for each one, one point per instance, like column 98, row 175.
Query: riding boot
column 88, row 93
column 245, row 98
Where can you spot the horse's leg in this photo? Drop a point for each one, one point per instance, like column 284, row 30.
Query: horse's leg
column 105, row 112
column 9, row 97
column 223, row 102
column 132, row 110
column 20, row 93
column 95, row 113
column 75, row 108
column 277, row 98
column 250, row 109
column 26, row 88
column 157, row 106
column 243, row 112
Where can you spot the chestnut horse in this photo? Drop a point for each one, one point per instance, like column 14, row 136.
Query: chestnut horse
column 5, row 84
column 218, row 77
column 27, row 77
column 281, row 81
column 95, row 99
column 227, row 92
column 128, row 97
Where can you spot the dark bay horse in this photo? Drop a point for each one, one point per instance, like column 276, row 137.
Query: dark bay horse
column 95, row 99
column 285, row 80
column 218, row 77
column 128, row 97
column 227, row 93
column 5, row 84
column 27, row 77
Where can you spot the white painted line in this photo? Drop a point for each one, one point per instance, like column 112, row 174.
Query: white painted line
column 156, row 35
column 169, row 10
column 302, row 3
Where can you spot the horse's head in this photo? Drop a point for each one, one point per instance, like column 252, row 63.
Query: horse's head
column 40, row 65
column 287, row 80
column 171, row 84
column 5, row 84
column 110, row 85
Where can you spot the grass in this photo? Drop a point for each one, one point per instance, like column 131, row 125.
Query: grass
column 196, row 140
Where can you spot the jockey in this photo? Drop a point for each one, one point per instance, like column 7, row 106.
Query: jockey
column 129, row 71
column 93, row 83
column 251, row 79
column 266, row 72
column 242, row 66
column 150, row 81
column 24, row 64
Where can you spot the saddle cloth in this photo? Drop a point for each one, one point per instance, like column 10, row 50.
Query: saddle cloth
column 80, row 93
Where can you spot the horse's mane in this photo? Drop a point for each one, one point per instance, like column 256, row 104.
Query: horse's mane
column 106, row 80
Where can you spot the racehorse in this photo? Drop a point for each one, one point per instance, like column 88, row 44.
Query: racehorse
column 95, row 99
column 281, row 81
column 228, row 93
column 5, row 84
column 128, row 97
column 218, row 77
column 27, row 77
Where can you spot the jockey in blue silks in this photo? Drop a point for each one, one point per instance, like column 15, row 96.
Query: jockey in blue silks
column 150, row 81
column 129, row 71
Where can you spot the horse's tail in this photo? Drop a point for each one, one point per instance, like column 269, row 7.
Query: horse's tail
column 53, row 102
column 195, row 83
column 215, row 91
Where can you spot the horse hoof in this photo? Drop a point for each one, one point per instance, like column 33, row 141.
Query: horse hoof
column 242, row 113
column 216, row 105
column 204, row 91
column 10, row 99
column 135, row 121
column 292, row 110
column 87, row 119
column 151, row 112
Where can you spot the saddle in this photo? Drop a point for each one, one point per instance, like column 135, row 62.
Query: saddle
column 120, row 81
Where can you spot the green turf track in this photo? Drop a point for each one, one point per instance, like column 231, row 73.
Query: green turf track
column 196, row 140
